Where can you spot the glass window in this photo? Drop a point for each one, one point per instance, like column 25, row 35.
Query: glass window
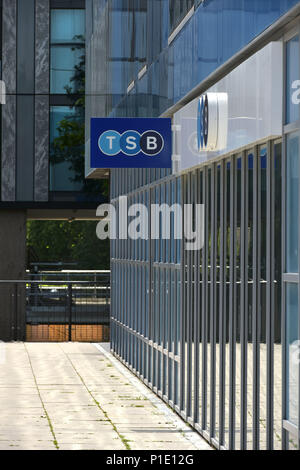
column 64, row 174
column 66, row 25
column 292, row 209
column 63, row 63
column 292, row 352
column 292, row 74
column 67, row 48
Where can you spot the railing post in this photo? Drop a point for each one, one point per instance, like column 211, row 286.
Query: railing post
column 69, row 306
column 14, row 313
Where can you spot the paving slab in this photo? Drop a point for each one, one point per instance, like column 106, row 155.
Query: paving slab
column 74, row 396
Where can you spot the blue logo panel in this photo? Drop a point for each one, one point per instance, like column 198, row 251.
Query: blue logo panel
column 131, row 143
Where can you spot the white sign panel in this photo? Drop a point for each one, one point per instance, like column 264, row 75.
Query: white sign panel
column 241, row 109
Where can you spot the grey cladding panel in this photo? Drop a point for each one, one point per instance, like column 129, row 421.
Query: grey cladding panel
column 9, row 45
column 41, row 148
column 8, row 149
column 25, row 147
column 25, row 47
column 42, row 47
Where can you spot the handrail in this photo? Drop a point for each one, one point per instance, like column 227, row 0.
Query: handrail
column 29, row 281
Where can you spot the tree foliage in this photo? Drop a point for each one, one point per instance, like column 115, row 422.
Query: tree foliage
column 60, row 241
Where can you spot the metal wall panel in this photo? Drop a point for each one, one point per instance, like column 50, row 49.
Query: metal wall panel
column 41, row 136
column 8, row 149
column 25, row 147
column 25, row 100
column 9, row 45
column 42, row 59
column 25, row 46
column 9, row 68
column 42, row 74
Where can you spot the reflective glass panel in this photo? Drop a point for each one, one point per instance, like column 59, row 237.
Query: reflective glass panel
column 63, row 175
column 66, row 24
column 292, row 352
column 63, row 62
column 292, row 75
column 67, row 49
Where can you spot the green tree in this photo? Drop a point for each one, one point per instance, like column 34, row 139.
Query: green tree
column 76, row 242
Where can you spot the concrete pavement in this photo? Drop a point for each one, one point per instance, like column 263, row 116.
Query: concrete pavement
column 72, row 396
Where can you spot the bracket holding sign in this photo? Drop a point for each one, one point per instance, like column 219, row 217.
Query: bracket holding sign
column 131, row 143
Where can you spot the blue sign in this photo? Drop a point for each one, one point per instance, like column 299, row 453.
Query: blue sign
column 131, row 143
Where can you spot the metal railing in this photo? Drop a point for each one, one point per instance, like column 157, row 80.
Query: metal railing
column 31, row 305
column 205, row 329
column 101, row 277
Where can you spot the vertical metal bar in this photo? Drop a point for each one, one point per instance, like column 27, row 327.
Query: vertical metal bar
column 169, row 388
column 244, row 298
column 69, row 307
column 21, row 311
column 176, row 335
column 270, row 296
column 149, row 268
column 121, row 332
column 189, row 309
column 159, row 339
column 177, row 307
column 151, row 289
column 232, row 305
column 284, row 433
column 165, row 312
column 213, row 304
column 139, row 311
column 113, row 303
column 222, row 302
column 183, row 309
column 197, row 310
column 173, row 302
column 256, row 297
column 171, row 305
column 204, row 304
column 163, row 272
column 16, row 306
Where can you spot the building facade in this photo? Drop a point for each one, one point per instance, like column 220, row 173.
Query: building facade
column 214, row 332
column 42, row 67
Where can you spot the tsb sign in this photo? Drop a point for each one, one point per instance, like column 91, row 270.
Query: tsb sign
column 131, row 143
column 212, row 122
